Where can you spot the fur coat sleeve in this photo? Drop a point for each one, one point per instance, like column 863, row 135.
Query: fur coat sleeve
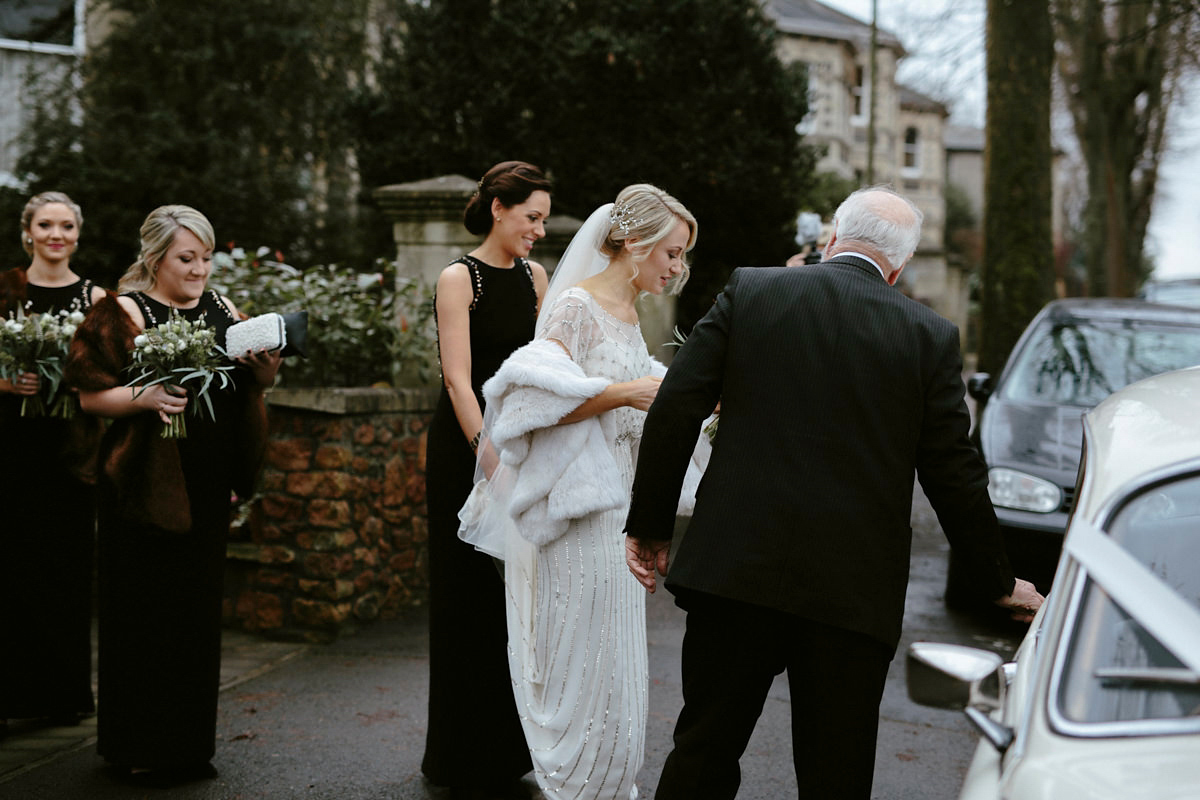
column 12, row 290
column 561, row 472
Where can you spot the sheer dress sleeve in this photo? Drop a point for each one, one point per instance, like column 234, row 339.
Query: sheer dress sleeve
column 573, row 324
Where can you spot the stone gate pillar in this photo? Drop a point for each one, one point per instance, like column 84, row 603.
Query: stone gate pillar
column 427, row 227
column 426, row 219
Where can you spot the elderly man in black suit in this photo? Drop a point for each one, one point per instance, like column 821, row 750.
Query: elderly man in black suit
column 835, row 389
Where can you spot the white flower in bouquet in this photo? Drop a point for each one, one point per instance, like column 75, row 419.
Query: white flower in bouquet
column 181, row 353
column 38, row 343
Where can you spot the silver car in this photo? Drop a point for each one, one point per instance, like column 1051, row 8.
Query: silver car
column 1103, row 697
column 1073, row 354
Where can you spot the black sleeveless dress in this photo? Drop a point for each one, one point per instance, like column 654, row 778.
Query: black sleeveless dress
column 160, row 593
column 47, row 534
column 474, row 737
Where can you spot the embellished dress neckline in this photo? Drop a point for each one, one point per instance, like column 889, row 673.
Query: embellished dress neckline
column 605, row 311
column 479, row 262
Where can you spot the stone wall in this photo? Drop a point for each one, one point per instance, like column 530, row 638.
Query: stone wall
column 337, row 533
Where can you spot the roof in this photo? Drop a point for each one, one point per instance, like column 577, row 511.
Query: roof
column 915, row 101
column 1140, row 430
column 811, row 18
column 963, row 138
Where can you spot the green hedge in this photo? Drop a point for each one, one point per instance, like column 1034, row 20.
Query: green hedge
column 365, row 328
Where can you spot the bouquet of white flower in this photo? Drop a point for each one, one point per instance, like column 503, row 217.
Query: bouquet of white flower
column 38, row 343
column 181, row 353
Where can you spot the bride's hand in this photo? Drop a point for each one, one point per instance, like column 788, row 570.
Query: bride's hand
column 641, row 392
column 488, row 459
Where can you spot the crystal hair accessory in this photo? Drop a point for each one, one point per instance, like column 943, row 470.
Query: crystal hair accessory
column 286, row 332
column 622, row 217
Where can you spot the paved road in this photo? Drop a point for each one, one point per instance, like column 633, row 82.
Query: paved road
column 346, row 721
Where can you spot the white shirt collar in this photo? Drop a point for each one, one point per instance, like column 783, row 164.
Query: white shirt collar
column 868, row 259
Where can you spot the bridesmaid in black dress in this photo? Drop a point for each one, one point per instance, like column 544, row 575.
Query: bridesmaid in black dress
column 486, row 306
column 164, row 506
column 47, row 502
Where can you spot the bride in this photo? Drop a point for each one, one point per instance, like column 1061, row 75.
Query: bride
column 565, row 418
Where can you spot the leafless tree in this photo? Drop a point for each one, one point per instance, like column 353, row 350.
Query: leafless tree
column 1121, row 63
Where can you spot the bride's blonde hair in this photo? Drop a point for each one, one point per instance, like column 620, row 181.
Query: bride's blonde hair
column 643, row 215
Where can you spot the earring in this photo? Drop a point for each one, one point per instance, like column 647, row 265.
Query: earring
column 497, row 219
column 28, row 240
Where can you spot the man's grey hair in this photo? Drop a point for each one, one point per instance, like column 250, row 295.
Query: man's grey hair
column 867, row 216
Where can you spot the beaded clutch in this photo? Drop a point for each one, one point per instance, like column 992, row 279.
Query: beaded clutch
column 286, row 332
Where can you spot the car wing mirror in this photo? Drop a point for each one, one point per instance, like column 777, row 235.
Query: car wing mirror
column 979, row 386
column 962, row 678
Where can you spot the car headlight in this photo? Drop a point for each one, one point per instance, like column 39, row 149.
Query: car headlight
column 1012, row 489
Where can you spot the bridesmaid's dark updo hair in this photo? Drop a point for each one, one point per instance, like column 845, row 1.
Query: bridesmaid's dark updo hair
column 510, row 182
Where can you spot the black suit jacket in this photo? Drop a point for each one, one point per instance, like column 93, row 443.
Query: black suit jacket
column 835, row 389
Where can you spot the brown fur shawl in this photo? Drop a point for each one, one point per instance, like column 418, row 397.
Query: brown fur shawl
column 12, row 290
column 145, row 468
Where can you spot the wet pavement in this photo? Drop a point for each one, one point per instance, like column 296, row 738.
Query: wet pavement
column 30, row 744
column 346, row 720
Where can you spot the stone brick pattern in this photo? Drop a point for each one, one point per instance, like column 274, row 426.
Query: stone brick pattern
column 337, row 533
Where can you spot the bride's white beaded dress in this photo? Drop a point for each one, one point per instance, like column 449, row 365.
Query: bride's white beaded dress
column 577, row 620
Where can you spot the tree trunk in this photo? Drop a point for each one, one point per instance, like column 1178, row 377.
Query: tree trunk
column 1119, row 63
column 1018, row 256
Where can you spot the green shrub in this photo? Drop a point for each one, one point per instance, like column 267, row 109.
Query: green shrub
column 364, row 328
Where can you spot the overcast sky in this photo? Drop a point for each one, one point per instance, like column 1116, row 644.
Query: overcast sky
column 951, row 69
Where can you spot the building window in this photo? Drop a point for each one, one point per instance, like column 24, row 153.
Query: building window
column 41, row 25
column 911, row 149
column 859, row 91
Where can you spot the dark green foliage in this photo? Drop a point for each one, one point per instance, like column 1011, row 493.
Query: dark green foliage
column 235, row 107
column 686, row 94
column 961, row 229
column 1018, row 256
column 828, row 191
column 364, row 327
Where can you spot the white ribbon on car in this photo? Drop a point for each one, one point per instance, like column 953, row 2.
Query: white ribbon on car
column 1157, row 607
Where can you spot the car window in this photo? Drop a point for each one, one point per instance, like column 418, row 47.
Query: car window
column 1182, row 294
column 1115, row 670
column 1081, row 362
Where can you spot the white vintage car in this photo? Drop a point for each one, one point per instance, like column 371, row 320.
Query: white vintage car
column 1103, row 698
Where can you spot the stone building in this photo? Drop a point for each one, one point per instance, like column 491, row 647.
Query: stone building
column 909, row 150
column 37, row 37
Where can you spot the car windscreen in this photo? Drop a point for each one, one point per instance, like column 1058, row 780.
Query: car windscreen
column 1080, row 362
column 1180, row 294
column 1115, row 669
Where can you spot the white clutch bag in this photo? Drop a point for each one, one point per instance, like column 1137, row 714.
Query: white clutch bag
column 286, row 332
